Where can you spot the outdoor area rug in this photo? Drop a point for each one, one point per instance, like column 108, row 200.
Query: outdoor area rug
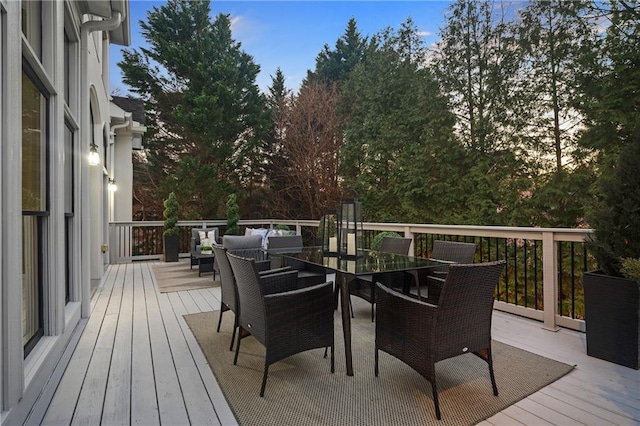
column 302, row 391
column 178, row 276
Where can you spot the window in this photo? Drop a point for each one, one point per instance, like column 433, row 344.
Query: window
column 67, row 67
column 32, row 24
column 34, row 207
column 69, row 168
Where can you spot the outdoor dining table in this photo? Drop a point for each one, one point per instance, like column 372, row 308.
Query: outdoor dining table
column 367, row 262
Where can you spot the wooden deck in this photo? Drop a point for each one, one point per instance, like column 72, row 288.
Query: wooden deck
column 135, row 361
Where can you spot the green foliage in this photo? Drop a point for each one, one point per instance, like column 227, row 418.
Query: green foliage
column 615, row 218
column 397, row 118
column 171, row 215
column 233, row 215
column 630, row 268
column 377, row 240
column 552, row 37
column 611, row 102
column 205, row 114
column 282, row 227
column 334, row 66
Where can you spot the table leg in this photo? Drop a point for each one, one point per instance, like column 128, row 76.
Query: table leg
column 343, row 282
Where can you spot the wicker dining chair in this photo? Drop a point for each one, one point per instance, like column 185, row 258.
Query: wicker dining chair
column 229, row 296
column 284, row 318
column 448, row 251
column 364, row 285
column 421, row 334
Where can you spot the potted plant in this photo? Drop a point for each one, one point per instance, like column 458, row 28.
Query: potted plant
column 233, row 216
column 170, row 234
column 612, row 294
column 206, row 249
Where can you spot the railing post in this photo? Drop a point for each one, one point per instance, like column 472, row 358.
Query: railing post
column 409, row 234
column 114, row 243
column 550, row 281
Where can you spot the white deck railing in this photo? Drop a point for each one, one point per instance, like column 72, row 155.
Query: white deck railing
column 129, row 241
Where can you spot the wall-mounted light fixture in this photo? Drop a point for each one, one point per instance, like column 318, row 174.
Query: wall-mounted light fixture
column 94, row 157
column 112, row 185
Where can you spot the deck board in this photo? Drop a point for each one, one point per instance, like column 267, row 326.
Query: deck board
column 144, row 400
column 199, row 406
column 64, row 400
column 136, row 362
column 117, row 402
column 171, row 403
column 91, row 400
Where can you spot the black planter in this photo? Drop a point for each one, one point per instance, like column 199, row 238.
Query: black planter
column 171, row 248
column 612, row 308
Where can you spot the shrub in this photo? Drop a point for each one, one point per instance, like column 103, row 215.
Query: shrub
column 233, row 215
column 171, row 215
column 616, row 217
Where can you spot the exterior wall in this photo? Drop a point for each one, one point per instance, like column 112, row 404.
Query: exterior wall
column 70, row 242
column 123, row 173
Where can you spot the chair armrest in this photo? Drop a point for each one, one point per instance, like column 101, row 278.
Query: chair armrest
column 279, row 282
column 274, row 271
column 396, row 311
column 312, row 308
column 193, row 245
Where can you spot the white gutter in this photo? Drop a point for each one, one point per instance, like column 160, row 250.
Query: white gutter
column 85, row 140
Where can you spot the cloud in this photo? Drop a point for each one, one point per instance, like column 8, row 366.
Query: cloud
column 425, row 33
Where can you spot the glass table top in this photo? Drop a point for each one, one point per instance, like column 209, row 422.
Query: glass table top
column 367, row 262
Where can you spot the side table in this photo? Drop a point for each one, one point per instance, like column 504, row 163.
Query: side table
column 205, row 262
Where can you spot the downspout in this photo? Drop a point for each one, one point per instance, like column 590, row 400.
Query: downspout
column 85, row 139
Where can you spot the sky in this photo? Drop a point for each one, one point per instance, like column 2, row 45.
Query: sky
column 290, row 34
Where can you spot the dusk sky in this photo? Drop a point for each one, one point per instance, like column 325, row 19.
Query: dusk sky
column 290, row 34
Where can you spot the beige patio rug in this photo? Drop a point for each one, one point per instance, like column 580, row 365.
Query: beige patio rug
column 302, row 391
column 178, row 276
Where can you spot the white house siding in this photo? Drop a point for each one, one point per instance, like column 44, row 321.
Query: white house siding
column 68, row 86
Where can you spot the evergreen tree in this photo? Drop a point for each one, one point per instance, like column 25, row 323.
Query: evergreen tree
column 398, row 121
column 206, row 115
column 477, row 68
column 552, row 37
column 334, row 66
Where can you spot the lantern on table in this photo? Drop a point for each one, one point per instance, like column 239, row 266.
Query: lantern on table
column 350, row 229
column 329, row 233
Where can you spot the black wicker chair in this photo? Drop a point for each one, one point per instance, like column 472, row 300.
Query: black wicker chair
column 448, row 251
column 421, row 334
column 286, row 319
column 229, row 297
column 364, row 286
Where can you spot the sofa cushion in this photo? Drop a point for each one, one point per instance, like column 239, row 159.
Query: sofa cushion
column 231, row 242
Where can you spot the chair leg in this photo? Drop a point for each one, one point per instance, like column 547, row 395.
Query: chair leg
column 235, row 358
column 223, row 309
column 264, row 378
column 376, row 363
column 333, row 359
column 233, row 337
column 434, row 390
column 219, row 320
column 493, row 377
